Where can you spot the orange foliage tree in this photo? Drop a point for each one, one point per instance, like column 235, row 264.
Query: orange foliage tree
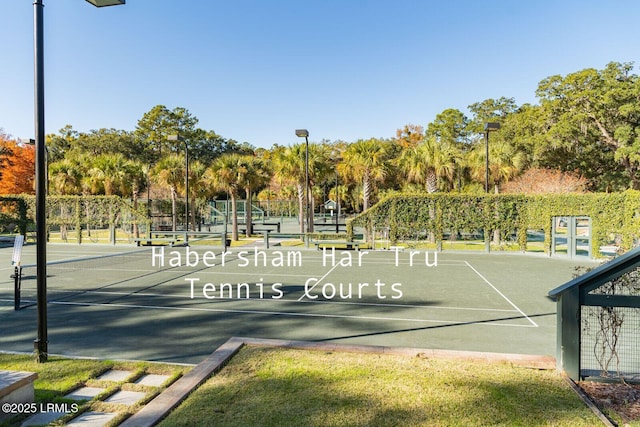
column 17, row 167
column 410, row 136
column 546, row 181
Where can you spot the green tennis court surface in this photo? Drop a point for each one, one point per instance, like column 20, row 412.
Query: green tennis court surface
column 178, row 304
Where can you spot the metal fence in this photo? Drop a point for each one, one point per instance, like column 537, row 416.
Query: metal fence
column 610, row 343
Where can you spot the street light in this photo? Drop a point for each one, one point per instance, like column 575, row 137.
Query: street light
column 186, row 184
column 488, row 127
column 305, row 133
column 41, row 344
column 102, row 3
column 338, row 160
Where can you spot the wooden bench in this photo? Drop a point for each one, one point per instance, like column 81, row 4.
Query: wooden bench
column 337, row 243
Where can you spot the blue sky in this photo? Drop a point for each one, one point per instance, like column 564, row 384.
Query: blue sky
column 255, row 70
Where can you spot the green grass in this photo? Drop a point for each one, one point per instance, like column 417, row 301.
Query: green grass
column 59, row 376
column 280, row 387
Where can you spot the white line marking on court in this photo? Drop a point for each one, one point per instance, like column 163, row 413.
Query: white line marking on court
column 319, row 281
column 502, row 295
column 285, row 300
column 282, row 313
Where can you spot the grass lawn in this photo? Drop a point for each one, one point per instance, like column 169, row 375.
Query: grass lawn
column 282, row 387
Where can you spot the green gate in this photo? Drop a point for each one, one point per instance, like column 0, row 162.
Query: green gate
column 571, row 236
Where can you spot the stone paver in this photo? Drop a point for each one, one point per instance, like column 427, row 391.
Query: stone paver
column 153, row 380
column 42, row 418
column 114, row 375
column 85, row 393
column 92, row 419
column 125, row 397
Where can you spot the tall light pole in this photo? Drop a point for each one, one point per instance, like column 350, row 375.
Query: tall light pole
column 178, row 138
column 41, row 344
column 305, row 133
column 488, row 127
column 338, row 160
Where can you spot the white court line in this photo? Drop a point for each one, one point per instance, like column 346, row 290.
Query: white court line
column 502, row 295
column 284, row 313
column 279, row 300
column 319, row 281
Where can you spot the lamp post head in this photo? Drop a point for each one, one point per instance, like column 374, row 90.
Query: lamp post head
column 303, row 133
column 488, row 127
column 102, row 3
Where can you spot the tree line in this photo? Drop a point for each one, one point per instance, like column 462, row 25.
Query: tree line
column 583, row 135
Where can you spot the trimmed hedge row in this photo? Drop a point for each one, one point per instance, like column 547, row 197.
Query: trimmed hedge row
column 612, row 214
column 17, row 213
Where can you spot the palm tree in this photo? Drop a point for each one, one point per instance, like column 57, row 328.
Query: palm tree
column 65, row 177
column 505, row 162
column 226, row 174
column 256, row 176
column 428, row 162
column 106, row 173
column 290, row 167
column 169, row 173
column 199, row 189
column 365, row 161
column 135, row 183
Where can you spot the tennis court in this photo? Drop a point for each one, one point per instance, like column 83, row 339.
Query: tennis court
column 178, row 304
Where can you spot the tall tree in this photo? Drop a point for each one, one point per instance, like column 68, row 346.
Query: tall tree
column 450, row 126
column 198, row 189
column 597, row 107
column 365, row 161
column 227, row 173
column 66, row 176
column 108, row 175
column 410, row 135
column 490, row 110
column 256, row 176
column 505, row 162
column 430, row 161
column 58, row 145
column 169, row 173
column 290, row 168
column 154, row 128
column 17, row 167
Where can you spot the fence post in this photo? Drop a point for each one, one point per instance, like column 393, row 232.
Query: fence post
column 568, row 335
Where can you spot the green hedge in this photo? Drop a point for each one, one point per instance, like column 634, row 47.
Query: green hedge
column 17, row 213
column 611, row 214
column 14, row 216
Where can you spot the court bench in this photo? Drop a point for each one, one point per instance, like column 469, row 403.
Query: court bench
column 159, row 238
column 341, row 244
column 263, row 226
column 256, row 229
